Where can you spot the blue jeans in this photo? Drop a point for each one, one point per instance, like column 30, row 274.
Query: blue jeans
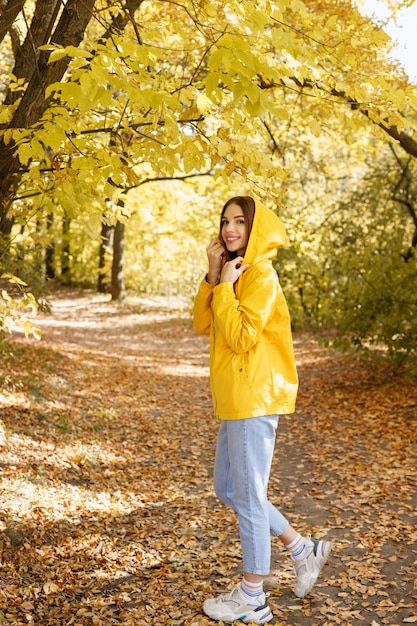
column 241, row 474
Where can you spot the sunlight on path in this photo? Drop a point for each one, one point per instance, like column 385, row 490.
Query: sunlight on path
column 108, row 512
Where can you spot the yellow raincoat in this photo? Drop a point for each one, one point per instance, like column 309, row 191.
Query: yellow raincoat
column 252, row 363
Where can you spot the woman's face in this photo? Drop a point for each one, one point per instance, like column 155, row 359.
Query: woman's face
column 234, row 229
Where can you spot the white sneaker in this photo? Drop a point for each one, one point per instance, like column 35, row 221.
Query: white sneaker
column 233, row 606
column 308, row 568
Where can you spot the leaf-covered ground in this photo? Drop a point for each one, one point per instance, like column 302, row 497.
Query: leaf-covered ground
column 108, row 513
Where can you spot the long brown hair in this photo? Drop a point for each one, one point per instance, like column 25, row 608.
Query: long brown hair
column 247, row 204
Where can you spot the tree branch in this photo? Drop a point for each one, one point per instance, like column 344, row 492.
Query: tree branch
column 407, row 143
column 10, row 11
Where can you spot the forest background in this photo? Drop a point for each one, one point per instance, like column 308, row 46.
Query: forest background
column 125, row 126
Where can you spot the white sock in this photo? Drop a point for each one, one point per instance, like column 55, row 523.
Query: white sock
column 251, row 590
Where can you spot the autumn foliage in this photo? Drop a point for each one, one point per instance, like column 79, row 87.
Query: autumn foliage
column 107, row 509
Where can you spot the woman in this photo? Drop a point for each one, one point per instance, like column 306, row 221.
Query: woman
column 253, row 380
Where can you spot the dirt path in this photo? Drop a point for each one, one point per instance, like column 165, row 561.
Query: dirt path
column 108, row 513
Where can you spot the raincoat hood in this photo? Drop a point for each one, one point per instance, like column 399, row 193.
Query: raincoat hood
column 267, row 235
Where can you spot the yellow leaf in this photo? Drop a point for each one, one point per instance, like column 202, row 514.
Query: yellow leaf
column 7, row 135
column 224, row 148
column 36, row 332
column 5, row 295
column 315, row 127
column 203, row 103
column 6, row 114
column 332, row 21
column 25, row 153
column 73, row 51
column 212, row 82
column 230, row 167
column 13, row 279
column 57, row 55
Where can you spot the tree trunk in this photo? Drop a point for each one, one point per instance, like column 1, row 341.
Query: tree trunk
column 105, row 247
column 66, row 252
column 69, row 31
column 8, row 15
column 50, row 251
column 5, row 232
column 27, row 56
column 117, row 288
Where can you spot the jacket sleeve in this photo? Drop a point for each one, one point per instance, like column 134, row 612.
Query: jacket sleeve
column 202, row 308
column 241, row 321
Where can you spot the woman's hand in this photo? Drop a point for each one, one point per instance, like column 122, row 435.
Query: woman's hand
column 215, row 252
column 232, row 270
